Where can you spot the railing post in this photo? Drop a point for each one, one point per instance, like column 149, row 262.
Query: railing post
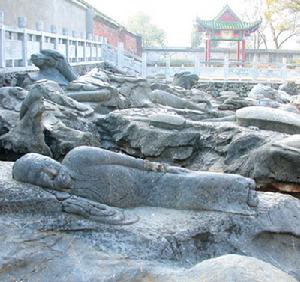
column 90, row 38
column 226, row 68
column 168, row 65
column 40, row 27
column 53, row 30
column 22, row 24
column 144, row 64
column 197, row 62
column 66, row 33
column 120, row 54
column 2, row 41
column 76, row 51
column 84, row 50
column 103, row 53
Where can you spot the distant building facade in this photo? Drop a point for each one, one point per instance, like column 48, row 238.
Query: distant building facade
column 73, row 17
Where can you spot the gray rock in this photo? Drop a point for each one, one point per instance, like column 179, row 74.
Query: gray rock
column 165, row 236
column 140, row 183
column 269, row 119
column 185, row 79
column 228, row 268
column 275, row 162
column 11, row 98
column 16, row 197
column 289, row 87
column 168, row 99
column 53, row 66
column 28, row 134
column 261, row 91
column 167, row 121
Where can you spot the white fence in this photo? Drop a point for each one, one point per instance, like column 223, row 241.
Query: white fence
column 18, row 44
column 224, row 73
column 229, row 73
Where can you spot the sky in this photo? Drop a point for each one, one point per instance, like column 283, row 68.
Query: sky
column 175, row 17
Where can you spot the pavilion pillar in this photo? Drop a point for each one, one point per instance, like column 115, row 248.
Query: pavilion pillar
column 243, row 51
column 238, row 50
column 208, row 51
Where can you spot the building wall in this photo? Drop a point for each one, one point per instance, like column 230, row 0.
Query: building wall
column 70, row 15
column 60, row 13
column 101, row 28
column 131, row 42
column 116, row 35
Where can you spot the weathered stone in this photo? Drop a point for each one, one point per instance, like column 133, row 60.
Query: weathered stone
column 276, row 162
column 53, row 66
column 289, row 87
column 185, row 79
column 139, row 183
column 228, row 268
column 261, row 91
column 168, row 99
column 269, row 119
column 167, row 121
column 23, row 198
column 28, row 134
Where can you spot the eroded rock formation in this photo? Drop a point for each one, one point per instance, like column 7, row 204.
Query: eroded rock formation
column 135, row 188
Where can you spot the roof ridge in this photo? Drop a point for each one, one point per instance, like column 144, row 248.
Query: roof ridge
column 227, row 7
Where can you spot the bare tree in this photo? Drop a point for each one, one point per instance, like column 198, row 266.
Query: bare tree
column 282, row 19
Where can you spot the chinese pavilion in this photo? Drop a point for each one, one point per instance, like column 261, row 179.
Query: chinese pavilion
column 226, row 26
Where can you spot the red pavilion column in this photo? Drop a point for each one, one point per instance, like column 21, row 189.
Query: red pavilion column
column 206, row 51
column 243, row 51
column 209, row 50
column 238, row 50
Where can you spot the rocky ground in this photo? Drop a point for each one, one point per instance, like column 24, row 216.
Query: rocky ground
column 249, row 130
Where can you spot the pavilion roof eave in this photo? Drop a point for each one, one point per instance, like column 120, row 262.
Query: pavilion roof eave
column 219, row 25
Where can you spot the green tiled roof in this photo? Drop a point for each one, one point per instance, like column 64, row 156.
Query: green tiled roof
column 219, row 25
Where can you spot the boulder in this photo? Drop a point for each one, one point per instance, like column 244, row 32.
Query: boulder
column 123, row 181
column 269, row 119
column 167, row 121
column 228, row 268
column 28, row 134
column 37, row 223
column 289, row 87
column 276, row 163
column 52, row 66
column 171, row 100
column 185, row 79
column 261, row 91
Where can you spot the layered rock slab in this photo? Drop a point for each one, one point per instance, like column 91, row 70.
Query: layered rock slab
column 172, row 237
column 269, row 119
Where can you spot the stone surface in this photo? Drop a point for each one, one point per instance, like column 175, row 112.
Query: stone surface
column 269, row 119
column 276, row 162
column 261, row 91
column 122, row 181
column 176, row 224
column 49, row 240
column 290, row 88
column 28, row 134
column 53, row 66
column 185, row 79
column 164, row 236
